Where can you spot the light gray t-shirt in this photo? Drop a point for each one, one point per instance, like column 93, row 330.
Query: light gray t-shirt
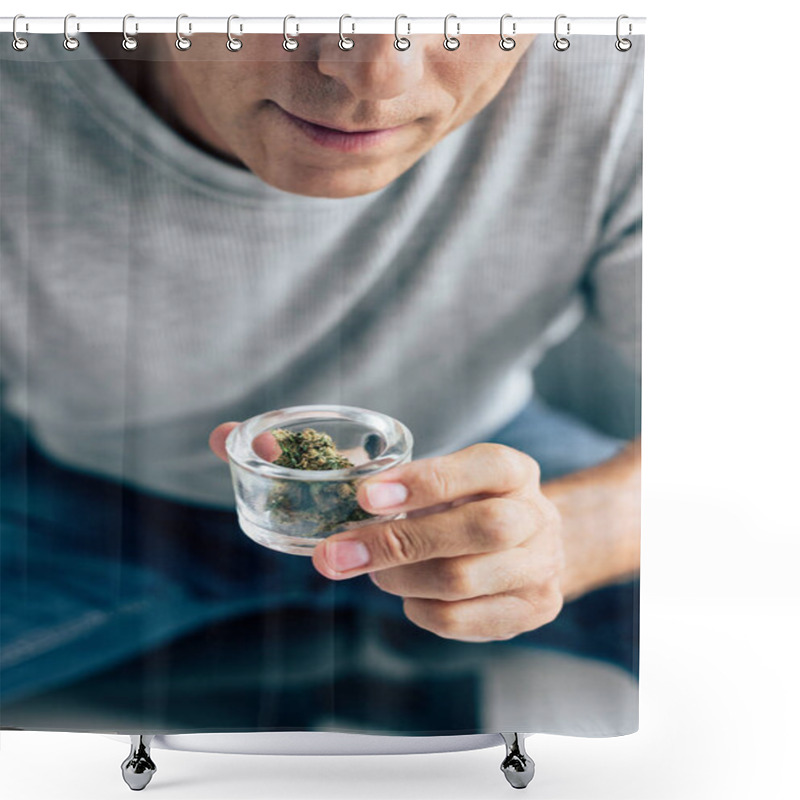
column 151, row 291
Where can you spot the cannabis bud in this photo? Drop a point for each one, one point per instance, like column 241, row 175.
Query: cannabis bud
column 313, row 507
column 308, row 449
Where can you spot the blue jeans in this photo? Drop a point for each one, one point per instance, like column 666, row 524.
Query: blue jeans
column 117, row 598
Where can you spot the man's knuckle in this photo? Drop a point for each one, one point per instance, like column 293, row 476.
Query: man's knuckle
column 516, row 467
column 534, row 471
column 507, row 579
column 481, row 451
column 497, row 520
column 456, row 582
column 399, row 544
column 438, row 479
column 551, row 607
column 543, row 517
column 521, row 469
column 550, row 515
column 446, row 619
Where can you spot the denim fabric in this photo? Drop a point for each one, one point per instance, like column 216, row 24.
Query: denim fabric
column 118, row 598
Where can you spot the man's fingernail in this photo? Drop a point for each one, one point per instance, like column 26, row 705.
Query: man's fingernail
column 343, row 556
column 386, row 495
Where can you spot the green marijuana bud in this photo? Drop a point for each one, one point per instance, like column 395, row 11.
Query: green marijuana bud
column 321, row 506
column 308, row 449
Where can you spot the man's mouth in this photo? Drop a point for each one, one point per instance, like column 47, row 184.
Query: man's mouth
column 339, row 138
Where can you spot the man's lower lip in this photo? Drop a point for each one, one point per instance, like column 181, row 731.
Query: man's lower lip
column 340, row 140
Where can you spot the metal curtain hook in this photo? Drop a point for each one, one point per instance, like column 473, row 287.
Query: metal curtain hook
column 18, row 43
column 70, row 42
column 344, row 42
column 451, row 42
column 182, row 43
column 623, row 45
column 400, row 42
column 506, row 42
column 561, row 43
column 128, row 42
column 289, row 42
column 233, row 44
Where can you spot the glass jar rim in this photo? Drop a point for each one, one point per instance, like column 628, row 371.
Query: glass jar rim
column 238, row 444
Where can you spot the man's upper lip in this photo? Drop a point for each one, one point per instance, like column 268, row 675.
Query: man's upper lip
column 342, row 129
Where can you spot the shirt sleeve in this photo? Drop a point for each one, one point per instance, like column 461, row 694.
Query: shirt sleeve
column 600, row 364
column 613, row 284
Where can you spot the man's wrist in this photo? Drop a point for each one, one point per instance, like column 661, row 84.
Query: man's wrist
column 600, row 509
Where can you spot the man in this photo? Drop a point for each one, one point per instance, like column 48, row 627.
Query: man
column 406, row 231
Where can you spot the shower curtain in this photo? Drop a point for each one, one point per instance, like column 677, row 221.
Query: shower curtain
column 446, row 233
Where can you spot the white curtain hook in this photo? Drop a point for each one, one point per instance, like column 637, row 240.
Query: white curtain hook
column 506, row 42
column 561, row 43
column 401, row 42
column 128, row 42
column 451, row 42
column 289, row 42
column 18, row 43
column 182, row 43
column 623, row 45
column 70, row 42
column 344, row 42
column 233, row 44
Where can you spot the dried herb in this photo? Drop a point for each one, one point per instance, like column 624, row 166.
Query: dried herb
column 308, row 449
column 319, row 506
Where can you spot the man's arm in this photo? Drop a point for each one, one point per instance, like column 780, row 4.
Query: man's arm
column 600, row 522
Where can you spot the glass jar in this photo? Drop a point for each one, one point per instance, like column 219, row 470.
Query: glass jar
column 292, row 510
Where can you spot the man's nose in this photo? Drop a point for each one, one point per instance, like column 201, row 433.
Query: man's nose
column 373, row 69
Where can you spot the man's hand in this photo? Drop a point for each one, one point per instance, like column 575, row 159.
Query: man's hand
column 479, row 555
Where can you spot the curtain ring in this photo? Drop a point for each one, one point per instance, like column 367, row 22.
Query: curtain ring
column 182, row 43
column 561, row 43
column 623, row 45
column 289, row 42
column 70, row 42
column 344, row 42
column 400, row 42
column 233, row 44
column 18, row 43
column 128, row 42
column 451, row 42
column 506, row 42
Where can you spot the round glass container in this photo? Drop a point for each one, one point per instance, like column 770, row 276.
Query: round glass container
column 292, row 510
